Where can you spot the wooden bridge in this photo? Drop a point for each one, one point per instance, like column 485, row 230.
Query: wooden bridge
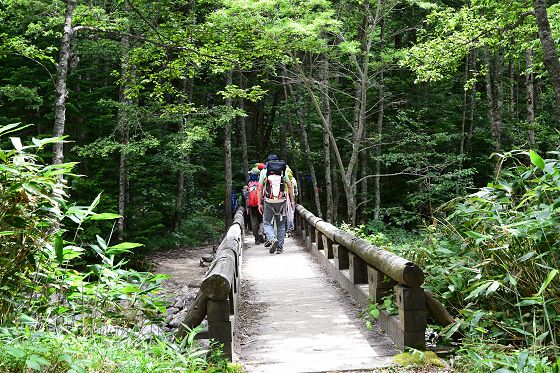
column 293, row 312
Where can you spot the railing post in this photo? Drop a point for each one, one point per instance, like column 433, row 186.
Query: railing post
column 358, row 269
column 219, row 325
column 319, row 239
column 412, row 316
column 328, row 247
column 341, row 260
column 379, row 285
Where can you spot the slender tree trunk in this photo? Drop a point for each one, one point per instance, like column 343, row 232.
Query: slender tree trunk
column 529, row 78
column 188, row 88
column 326, row 143
column 472, row 97
column 377, row 180
column 306, row 147
column 243, row 130
column 550, row 55
column 227, row 157
column 307, row 150
column 123, row 119
column 60, row 83
column 494, row 99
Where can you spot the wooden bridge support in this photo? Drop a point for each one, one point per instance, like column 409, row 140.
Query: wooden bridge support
column 220, row 326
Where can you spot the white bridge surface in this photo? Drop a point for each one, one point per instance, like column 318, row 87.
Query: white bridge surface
column 293, row 318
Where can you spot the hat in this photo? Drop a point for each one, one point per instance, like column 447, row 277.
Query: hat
column 272, row 157
column 260, row 166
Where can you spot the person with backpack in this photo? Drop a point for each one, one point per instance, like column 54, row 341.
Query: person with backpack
column 274, row 188
column 252, row 203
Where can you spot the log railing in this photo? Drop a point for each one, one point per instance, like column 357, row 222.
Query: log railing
column 370, row 273
column 218, row 296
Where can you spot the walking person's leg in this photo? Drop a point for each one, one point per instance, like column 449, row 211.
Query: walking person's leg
column 268, row 215
column 255, row 214
column 280, row 232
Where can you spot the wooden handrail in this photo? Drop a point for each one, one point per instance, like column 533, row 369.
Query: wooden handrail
column 217, row 297
column 401, row 270
column 370, row 273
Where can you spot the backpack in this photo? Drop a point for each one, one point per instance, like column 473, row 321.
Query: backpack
column 274, row 183
column 253, row 198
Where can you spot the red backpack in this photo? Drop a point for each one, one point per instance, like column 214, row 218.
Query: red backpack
column 253, row 199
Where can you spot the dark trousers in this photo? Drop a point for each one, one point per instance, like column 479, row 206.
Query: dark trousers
column 256, row 219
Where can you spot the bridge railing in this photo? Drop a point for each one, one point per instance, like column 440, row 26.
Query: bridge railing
column 370, row 273
column 217, row 299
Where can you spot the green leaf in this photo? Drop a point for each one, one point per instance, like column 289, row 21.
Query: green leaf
column 32, row 364
column 16, row 142
column 27, row 319
column 14, row 127
column 126, row 245
column 7, row 233
column 528, row 302
column 59, row 248
column 547, row 281
column 105, row 216
column 15, row 352
column 536, row 159
column 527, row 256
column 492, row 288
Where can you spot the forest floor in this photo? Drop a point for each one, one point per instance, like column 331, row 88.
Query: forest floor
column 184, row 267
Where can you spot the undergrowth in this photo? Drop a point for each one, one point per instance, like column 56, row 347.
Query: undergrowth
column 492, row 258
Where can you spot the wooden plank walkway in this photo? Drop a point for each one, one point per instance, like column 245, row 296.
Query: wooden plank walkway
column 293, row 318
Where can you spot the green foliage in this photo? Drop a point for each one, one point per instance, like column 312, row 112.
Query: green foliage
column 492, row 258
column 22, row 350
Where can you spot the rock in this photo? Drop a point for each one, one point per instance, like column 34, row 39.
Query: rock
column 178, row 319
column 113, row 330
column 150, row 331
column 179, row 304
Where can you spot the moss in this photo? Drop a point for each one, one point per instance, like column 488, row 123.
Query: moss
column 418, row 358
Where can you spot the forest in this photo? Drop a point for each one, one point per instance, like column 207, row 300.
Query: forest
column 429, row 127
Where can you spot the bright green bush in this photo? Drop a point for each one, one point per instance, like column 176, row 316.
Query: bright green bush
column 493, row 259
column 23, row 350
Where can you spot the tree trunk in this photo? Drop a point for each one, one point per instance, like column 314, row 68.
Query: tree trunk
column 123, row 122
column 494, row 99
column 188, row 87
column 326, row 143
column 550, row 55
column 472, row 98
column 305, row 146
column 60, row 84
column 243, row 130
column 227, row 157
column 529, row 78
column 377, row 180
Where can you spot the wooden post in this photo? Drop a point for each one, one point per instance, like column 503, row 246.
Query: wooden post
column 319, row 239
column 327, row 246
column 412, row 316
column 358, row 269
column 379, row 285
column 341, row 260
column 312, row 233
column 219, row 325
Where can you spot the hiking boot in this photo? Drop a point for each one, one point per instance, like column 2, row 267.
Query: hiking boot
column 279, row 250
column 273, row 246
column 267, row 243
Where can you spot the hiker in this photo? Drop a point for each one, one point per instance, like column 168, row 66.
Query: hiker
column 233, row 202
column 290, row 211
column 252, row 203
column 275, row 188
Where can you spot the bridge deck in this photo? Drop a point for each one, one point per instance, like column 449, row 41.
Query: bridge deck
column 293, row 318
